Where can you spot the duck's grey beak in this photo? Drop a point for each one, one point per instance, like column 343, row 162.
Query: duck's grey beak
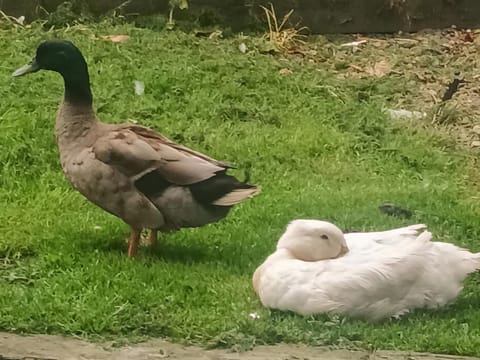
column 25, row 69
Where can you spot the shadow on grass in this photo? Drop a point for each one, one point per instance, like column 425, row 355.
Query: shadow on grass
column 179, row 253
column 167, row 250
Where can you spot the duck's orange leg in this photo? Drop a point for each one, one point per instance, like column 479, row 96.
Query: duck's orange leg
column 153, row 238
column 133, row 241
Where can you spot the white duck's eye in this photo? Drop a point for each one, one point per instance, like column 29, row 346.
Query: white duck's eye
column 325, row 237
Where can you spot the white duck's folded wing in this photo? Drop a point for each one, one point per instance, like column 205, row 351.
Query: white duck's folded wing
column 380, row 283
column 407, row 233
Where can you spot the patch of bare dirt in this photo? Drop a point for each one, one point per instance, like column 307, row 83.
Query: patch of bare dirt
column 47, row 347
column 427, row 63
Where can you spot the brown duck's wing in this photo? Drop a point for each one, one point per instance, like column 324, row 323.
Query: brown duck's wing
column 136, row 151
column 154, row 138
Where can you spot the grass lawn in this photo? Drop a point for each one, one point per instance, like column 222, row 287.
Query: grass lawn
column 320, row 147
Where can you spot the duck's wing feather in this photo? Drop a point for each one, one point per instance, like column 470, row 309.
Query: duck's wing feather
column 136, row 151
column 153, row 138
column 386, row 237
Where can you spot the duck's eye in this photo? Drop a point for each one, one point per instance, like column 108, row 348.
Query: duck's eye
column 325, row 237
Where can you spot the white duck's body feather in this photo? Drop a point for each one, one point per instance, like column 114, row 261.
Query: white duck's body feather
column 384, row 274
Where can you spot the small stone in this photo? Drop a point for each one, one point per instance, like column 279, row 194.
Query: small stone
column 475, row 143
column 254, row 316
column 476, row 129
column 243, row 48
column 139, row 87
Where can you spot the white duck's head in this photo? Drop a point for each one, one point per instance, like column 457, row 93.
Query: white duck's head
column 313, row 240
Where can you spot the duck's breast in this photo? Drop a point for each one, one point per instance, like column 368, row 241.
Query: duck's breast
column 108, row 188
column 287, row 284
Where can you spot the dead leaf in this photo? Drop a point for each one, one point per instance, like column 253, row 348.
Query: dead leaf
column 354, row 43
column 356, row 67
column 116, row 38
column 380, row 69
column 181, row 4
column 216, row 35
column 419, row 76
column 285, row 71
column 468, row 36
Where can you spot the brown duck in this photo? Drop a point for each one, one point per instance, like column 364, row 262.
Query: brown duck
column 129, row 170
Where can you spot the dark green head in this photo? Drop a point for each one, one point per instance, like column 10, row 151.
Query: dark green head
column 65, row 58
column 55, row 55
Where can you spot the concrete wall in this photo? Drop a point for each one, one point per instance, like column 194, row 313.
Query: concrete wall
column 321, row 16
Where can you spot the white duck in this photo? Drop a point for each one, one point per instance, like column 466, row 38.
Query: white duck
column 374, row 275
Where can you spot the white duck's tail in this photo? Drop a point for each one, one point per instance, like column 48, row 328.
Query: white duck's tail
column 425, row 236
column 459, row 260
column 470, row 262
column 476, row 260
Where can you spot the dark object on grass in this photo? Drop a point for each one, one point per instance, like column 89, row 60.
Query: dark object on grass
column 453, row 87
column 394, row 210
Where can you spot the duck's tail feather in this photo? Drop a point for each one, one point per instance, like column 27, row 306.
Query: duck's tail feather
column 467, row 261
column 470, row 262
column 222, row 190
column 476, row 260
column 416, row 227
column 389, row 237
column 236, row 196
column 425, row 236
